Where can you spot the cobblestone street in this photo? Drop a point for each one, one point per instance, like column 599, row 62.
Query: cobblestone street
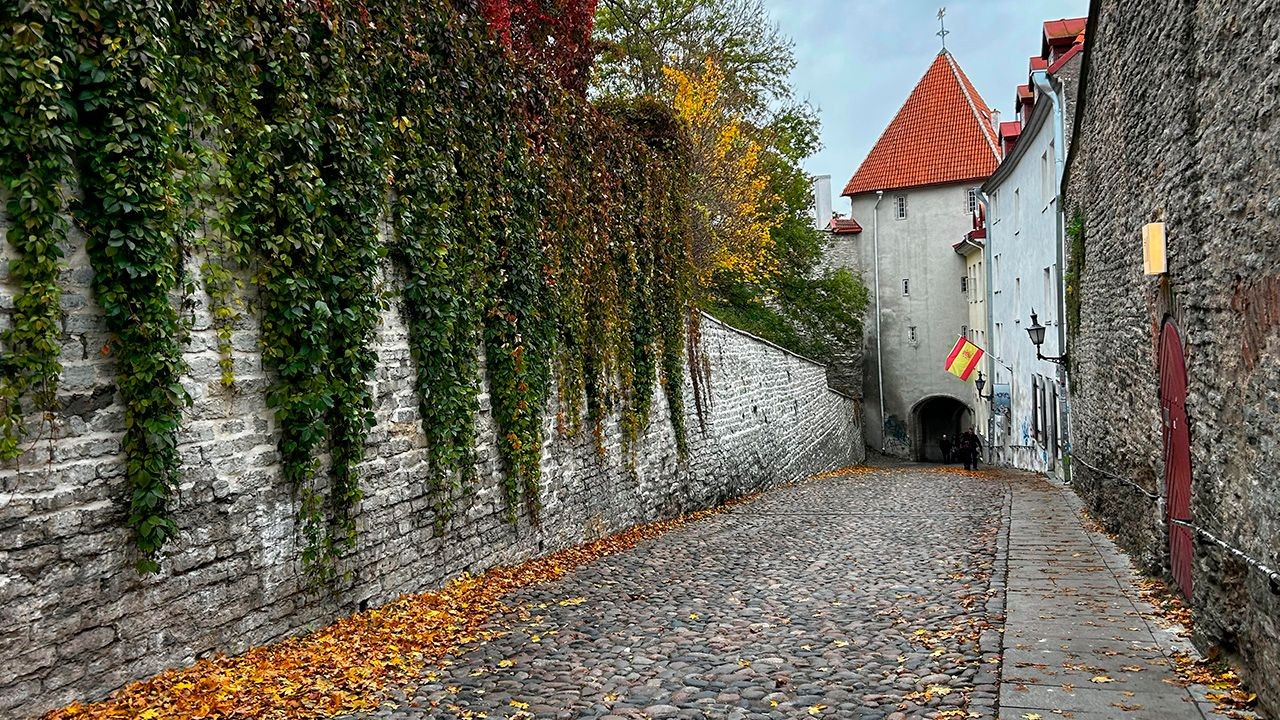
column 874, row 594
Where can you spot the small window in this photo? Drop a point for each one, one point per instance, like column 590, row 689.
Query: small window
column 1035, row 407
column 973, row 201
column 906, row 286
column 1017, row 210
column 1046, row 173
column 900, row 204
column 911, row 333
column 964, row 332
column 964, row 283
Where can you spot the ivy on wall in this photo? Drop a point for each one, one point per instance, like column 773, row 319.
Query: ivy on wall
column 303, row 144
column 36, row 139
column 1075, row 267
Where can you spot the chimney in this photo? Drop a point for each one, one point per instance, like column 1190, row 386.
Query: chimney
column 822, row 202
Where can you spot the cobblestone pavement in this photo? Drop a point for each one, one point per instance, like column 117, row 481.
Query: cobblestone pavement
column 856, row 596
column 876, row 594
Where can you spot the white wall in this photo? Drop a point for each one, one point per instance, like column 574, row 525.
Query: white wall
column 1022, row 242
column 917, row 249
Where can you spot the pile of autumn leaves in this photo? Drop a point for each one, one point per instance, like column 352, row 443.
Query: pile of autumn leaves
column 351, row 665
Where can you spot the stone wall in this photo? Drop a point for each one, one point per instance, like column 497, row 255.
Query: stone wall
column 1180, row 123
column 76, row 620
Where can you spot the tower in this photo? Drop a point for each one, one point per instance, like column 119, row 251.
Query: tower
column 915, row 195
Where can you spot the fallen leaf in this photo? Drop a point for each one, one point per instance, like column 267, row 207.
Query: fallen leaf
column 1101, row 679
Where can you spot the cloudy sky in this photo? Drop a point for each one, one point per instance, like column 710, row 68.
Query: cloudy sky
column 857, row 60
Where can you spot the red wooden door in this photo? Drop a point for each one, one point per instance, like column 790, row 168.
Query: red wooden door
column 1177, row 454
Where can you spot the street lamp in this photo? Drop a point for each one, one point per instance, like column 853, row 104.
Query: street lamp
column 981, row 383
column 1036, row 331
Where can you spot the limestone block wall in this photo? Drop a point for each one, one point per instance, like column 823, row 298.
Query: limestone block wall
column 1179, row 124
column 76, row 620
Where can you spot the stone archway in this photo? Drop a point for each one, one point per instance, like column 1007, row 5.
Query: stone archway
column 931, row 418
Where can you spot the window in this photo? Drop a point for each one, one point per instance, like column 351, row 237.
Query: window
column 900, row 204
column 1046, row 175
column 1035, row 407
column 1049, row 305
column 964, row 283
column 911, row 333
column 964, row 332
column 906, row 286
column 996, row 272
column 973, row 201
column 1017, row 211
column 998, row 340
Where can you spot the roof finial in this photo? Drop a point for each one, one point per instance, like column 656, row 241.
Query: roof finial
column 942, row 22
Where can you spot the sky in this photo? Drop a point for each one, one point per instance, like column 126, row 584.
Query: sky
column 857, row 60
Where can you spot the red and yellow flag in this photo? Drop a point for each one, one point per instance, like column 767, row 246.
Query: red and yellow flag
column 963, row 359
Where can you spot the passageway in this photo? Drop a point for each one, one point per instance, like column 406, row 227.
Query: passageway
column 931, row 418
column 875, row 593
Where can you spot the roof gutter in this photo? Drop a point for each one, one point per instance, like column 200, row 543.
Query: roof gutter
column 1045, row 83
column 875, row 249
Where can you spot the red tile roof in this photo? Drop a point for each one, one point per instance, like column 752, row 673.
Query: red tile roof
column 1061, row 33
column 844, row 226
column 942, row 134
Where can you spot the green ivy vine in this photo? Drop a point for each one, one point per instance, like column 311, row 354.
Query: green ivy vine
column 128, row 169
column 36, row 145
column 537, row 240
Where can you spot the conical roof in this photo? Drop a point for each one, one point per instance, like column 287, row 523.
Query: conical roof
column 942, row 134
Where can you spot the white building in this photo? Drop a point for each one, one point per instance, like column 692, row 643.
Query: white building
column 972, row 248
column 912, row 198
column 1024, row 256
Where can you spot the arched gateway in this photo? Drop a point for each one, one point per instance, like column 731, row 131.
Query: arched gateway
column 933, row 417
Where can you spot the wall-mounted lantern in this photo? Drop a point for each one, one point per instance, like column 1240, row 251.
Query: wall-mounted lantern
column 1036, row 331
column 980, row 383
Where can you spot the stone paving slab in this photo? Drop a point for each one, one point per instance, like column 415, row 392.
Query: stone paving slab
column 1076, row 641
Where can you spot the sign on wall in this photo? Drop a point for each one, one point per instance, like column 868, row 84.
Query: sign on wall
column 1002, row 398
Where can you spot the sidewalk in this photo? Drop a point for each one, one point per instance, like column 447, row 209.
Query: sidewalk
column 1079, row 642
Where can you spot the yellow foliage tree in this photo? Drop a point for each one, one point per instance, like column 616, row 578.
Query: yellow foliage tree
column 733, row 207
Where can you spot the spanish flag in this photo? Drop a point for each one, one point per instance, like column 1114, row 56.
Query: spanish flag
column 963, row 359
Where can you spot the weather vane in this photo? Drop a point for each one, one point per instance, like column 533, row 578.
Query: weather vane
column 942, row 22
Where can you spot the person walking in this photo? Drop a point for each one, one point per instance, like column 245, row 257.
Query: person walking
column 970, row 447
column 945, row 445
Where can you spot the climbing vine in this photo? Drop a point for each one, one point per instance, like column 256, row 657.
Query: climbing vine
column 1075, row 266
column 36, row 111
column 127, row 152
column 536, row 239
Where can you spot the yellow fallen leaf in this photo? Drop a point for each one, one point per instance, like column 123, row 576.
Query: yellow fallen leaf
column 1032, row 716
column 505, row 663
column 773, row 703
column 1101, row 679
column 816, row 709
column 693, row 616
column 518, row 704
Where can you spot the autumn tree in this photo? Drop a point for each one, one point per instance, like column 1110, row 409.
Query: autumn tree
column 723, row 67
column 732, row 200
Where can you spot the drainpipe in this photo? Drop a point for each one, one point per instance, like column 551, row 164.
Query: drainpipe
column 875, row 249
column 1045, row 84
column 988, row 251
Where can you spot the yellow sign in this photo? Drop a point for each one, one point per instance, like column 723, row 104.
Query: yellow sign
column 1154, row 256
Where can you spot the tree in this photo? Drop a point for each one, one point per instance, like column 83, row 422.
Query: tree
column 640, row 39
column 723, row 68
column 731, row 199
